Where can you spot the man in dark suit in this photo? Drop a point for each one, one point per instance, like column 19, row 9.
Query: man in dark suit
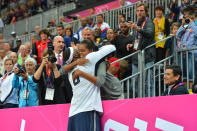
column 58, row 44
column 173, row 81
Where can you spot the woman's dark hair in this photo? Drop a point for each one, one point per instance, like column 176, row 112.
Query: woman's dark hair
column 159, row 7
column 89, row 44
column 71, row 31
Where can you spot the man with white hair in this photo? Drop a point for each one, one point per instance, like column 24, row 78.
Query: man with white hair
column 23, row 81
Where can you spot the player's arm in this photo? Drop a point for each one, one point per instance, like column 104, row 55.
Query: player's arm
column 104, row 51
column 87, row 76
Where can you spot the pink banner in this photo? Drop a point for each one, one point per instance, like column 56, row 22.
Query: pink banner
column 172, row 113
column 99, row 9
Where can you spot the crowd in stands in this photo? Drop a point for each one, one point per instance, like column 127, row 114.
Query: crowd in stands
column 48, row 69
column 78, row 67
column 21, row 9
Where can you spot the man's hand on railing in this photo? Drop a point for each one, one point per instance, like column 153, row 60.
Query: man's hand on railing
column 129, row 46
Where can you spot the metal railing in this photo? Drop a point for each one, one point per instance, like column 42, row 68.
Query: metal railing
column 139, row 84
column 150, row 80
column 42, row 19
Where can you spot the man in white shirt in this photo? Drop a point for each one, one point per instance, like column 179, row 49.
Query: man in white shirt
column 102, row 25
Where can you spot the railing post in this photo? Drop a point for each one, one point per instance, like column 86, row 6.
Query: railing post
column 141, row 71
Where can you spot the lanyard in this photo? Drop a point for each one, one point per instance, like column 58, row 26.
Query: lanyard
column 176, row 87
column 142, row 26
column 188, row 34
column 157, row 24
column 4, row 77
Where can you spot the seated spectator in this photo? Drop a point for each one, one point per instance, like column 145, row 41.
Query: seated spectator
column 172, row 78
column 22, row 55
column 162, row 30
column 48, row 78
column 24, row 82
column 8, row 95
column 2, row 55
column 12, row 16
column 115, row 67
column 194, row 87
column 70, row 39
column 174, row 11
column 102, row 25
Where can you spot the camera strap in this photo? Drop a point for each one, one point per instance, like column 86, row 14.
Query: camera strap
column 188, row 34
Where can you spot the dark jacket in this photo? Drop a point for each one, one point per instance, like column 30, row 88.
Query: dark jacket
column 59, row 97
column 194, row 90
column 147, row 37
column 180, row 90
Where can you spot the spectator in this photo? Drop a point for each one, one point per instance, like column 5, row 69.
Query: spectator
column 28, row 48
column 187, row 34
column 102, row 25
column 62, row 20
column 43, row 4
column 22, row 55
column 48, row 78
column 169, row 45
column 162, row 30
column 115, row 67
column 90, row 22
column 8, row 95
column 121, row 19
column 97, row 35
column 18, row 44
column 23, row 81
column 110, row 36
column 13, row 39
column 53, row 22
column 1, row 24
column 58, row 44
column 12, row 16
column 33, row 39
column 60, row 31
column 121, row 43
column 173, row 81
column 144, row 33
column 194, row 87
column 79, row 31
column 70, row 39
column 87, row 33
column 173, row 15
column 124, row 3
column 37, row 30
column 2, row 56
column 14, row 57
column 7, row 48
column 41, row 45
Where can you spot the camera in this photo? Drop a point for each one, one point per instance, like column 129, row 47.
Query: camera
column 187, row 21
column 51, row 58
column 21, row 69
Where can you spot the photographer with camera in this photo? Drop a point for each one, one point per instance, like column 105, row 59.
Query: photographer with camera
column 187, row 34
column 23, row 81
column 48, row 78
